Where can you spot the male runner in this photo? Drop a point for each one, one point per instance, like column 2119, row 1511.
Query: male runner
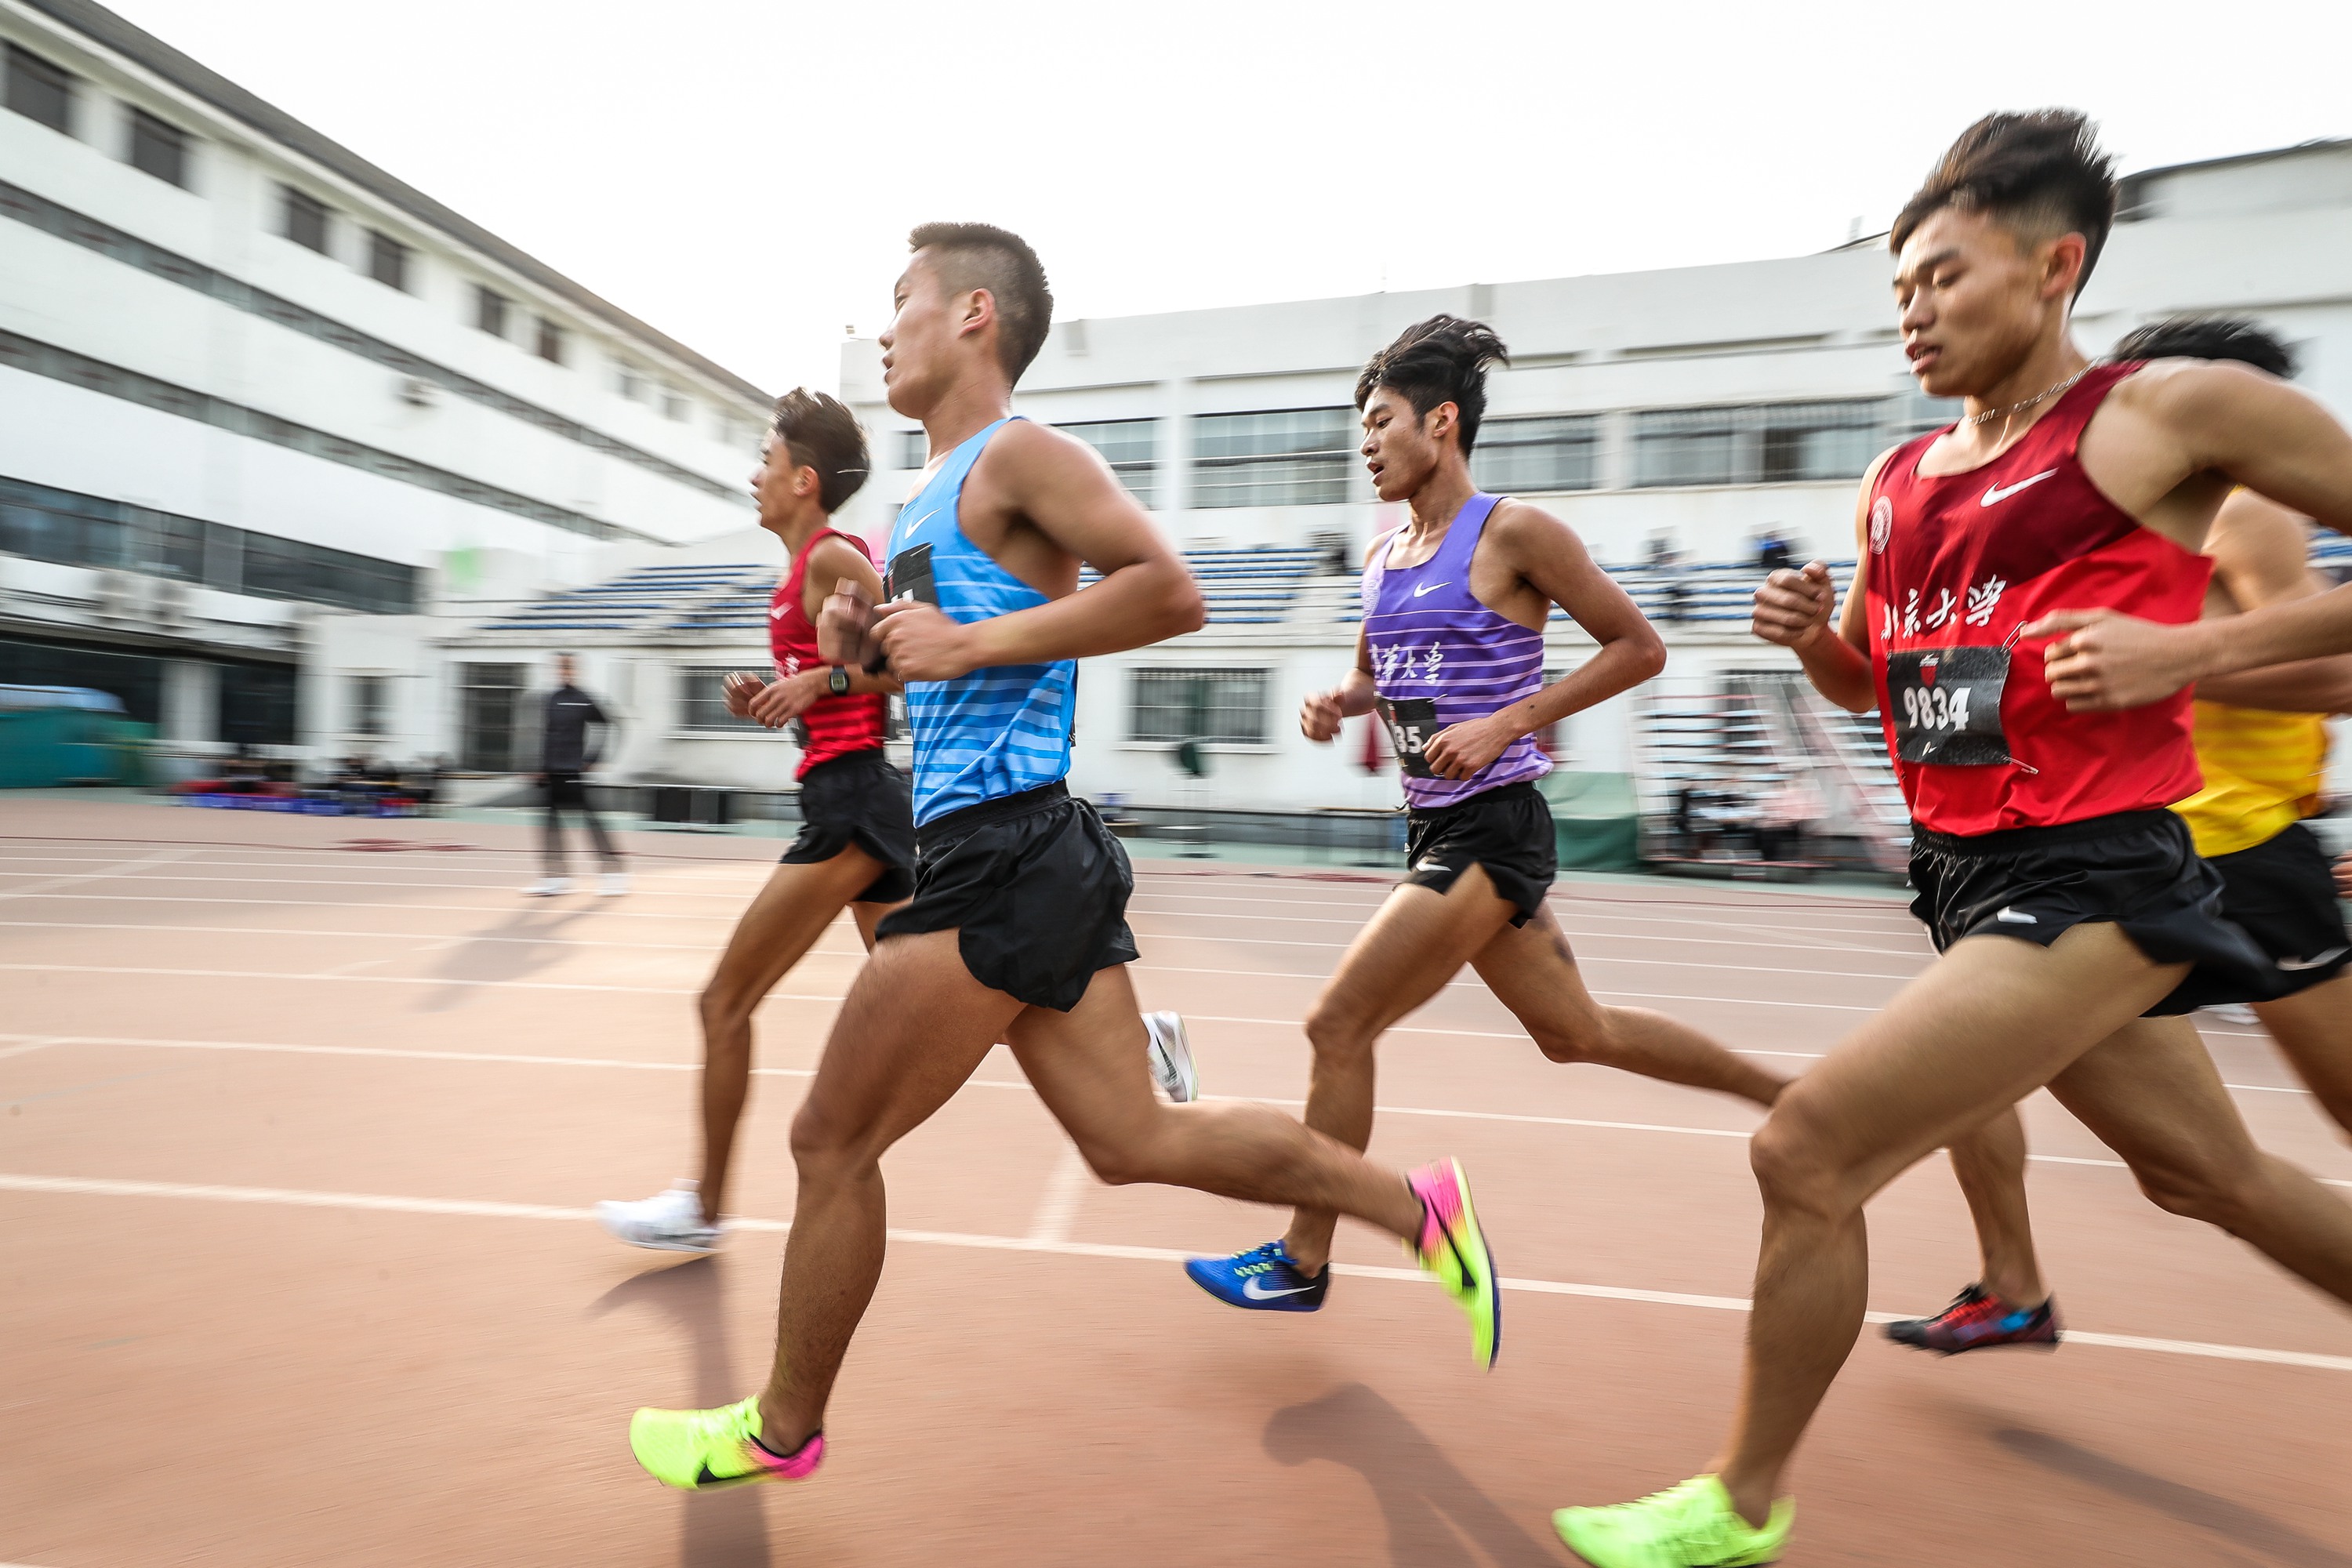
column 856, row 843
column 565, row 756
column 1450, row 655
column 2263, row 770
column 2058, row 520
column 1017, row 928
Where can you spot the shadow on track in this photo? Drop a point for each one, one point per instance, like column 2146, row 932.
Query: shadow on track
column 1431, row 1507
column 2233, row 1522
column 482, row 955
column 727, row 1529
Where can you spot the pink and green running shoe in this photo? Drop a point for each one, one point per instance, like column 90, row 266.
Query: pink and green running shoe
column 697, row 1450
column 1452, row 1247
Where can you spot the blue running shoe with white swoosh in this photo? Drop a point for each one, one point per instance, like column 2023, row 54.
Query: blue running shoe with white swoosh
column 1263, row 1279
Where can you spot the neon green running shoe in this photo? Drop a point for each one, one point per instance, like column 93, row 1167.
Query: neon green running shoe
column 1452, row 1247
column 697, row 1450
column 1693, row 1525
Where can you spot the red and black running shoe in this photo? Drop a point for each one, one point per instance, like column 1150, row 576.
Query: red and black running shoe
column 1978, row 1319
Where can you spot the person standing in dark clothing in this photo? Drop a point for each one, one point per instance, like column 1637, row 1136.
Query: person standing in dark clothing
column 565, row 756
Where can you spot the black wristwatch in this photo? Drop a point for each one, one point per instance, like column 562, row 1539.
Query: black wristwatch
column 836, row 680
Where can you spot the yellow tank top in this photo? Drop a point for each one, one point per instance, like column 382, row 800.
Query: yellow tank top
column 2262, row 775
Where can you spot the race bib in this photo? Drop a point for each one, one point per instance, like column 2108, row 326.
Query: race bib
column 1412, row 724
column 910, row 576
column 1947, row 705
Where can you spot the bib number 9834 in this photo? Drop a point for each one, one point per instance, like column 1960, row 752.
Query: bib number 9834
column 1947, row 705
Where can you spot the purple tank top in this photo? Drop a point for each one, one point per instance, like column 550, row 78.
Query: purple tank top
column 1440, row 657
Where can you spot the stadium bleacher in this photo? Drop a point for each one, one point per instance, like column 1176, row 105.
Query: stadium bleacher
column 653, row 598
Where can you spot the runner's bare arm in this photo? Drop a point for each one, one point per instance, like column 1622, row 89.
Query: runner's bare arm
column 2276, row 441
column 1319, row 715
column 1063, row 489
column 1793, row 609
column 1545, row 555
column 2260, row 557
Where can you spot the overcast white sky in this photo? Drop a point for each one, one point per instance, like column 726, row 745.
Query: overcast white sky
column 743, row 175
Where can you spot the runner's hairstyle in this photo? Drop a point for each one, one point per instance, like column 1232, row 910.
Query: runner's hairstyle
column 983, row 256
column 823, row 435
column 2041, row 174
column 1441, row 360
column 2208, row 337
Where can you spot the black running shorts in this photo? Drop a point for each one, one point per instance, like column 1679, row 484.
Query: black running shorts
column 2283, row 890
column 1035, row 886
column 2136, row 869
column 859, row 799
column 1507, row 830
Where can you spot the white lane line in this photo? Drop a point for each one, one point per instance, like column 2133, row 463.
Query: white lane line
column 625, row 1064
column 31, row 1043
column 479, row 1209
column 1066, row 1190
column 113, row 869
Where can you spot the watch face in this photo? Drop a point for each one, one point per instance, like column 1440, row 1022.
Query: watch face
column 839, row 682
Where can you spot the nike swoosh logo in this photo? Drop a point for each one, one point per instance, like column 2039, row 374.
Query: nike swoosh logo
column 1995, row 494
column 2293, row 963
column 1430, row 865
column 2015, row 919
column 1255, row 1291
column 1431, row 587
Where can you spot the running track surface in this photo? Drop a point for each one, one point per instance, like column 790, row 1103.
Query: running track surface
column 300, row 1142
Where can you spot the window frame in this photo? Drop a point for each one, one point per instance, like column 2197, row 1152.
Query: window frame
column 1320, row 470
column 298, row 207
column 382, row 248
column 702, row 715
column 548, row 340
column 471, row 688
column 38, row 74
column 369, row 708
column 1139, row 477
column 1213, row 706
column 1747, row 431
column 491, row 310
column 150, row 132
column 1494, row 438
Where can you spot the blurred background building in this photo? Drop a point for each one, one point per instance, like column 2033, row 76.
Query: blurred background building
column 292, row 456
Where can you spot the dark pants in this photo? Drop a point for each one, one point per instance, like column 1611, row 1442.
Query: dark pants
column 1771, row 842
column 568, row 791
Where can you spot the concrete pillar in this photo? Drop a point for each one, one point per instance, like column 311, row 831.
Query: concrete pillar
column 191, row 701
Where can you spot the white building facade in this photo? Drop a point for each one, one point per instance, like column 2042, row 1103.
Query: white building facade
column 263, row 406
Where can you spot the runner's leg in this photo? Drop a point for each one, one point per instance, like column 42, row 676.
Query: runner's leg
column 1415, row 941
column 550, row 830
column 605, row 853
column 912, row 1029
column 1532, row 972
column 2314, row 1028
column 2153, row 1095
column 1089, row 1068
column 781, row 923
column 1992, row 1021
column 1990, row 1165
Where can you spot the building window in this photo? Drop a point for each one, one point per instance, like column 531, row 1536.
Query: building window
column 1128, row 446
column 370, row 704
column 702, row 700
column 1225, row 706
column 302, row 218
column 628, row 382
column 550, row 343
column 1292, row 456
column 159, row 148
column 257, row 704
column 489, row 701
column 914, row 449
column 1528, row 456
column 40, row 91
column 387, row 260
column 1818, row 440
column 674, row 405
column 490, row 311
column 1768, row 444
column 1915, row 414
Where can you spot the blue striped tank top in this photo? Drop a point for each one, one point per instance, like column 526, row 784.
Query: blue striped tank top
column 995, row 731
column 1439, row 657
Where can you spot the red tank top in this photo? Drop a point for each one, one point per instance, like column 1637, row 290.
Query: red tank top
column 832, row 726
column 1958, row 564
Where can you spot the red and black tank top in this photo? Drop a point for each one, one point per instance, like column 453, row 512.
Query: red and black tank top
column 1957, row 564
column 832, row 726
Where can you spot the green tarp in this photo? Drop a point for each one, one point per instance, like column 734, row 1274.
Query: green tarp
column 41, row 748
column 1594, row 819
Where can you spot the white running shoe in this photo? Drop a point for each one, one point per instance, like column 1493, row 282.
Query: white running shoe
column 548, row 887
column 1171, row 1053
column 668, row 1222
column 611, row 884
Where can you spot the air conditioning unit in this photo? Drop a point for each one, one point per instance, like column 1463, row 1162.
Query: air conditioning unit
column 168, row 602
column 418, row 393
column 115, row 598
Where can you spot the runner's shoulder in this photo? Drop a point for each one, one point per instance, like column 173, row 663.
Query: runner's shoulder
column 2188, row 393
column 1514, row 523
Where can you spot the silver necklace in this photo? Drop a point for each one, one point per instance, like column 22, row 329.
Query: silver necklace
column 2014, row 409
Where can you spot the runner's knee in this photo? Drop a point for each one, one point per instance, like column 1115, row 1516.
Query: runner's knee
column 2220, row 1192
column 824, row 1148
column 1588, row 1038
column 1338, row 1033
column 1121, row 1162
column 1797, row 1166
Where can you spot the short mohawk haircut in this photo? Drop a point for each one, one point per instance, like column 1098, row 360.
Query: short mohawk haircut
column 2039, row 173
column 1441, row 360
column 2208, row 337
column 983, row 256
column 823, row 435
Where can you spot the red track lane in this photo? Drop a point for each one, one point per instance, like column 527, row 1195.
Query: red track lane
column 298, row 1139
